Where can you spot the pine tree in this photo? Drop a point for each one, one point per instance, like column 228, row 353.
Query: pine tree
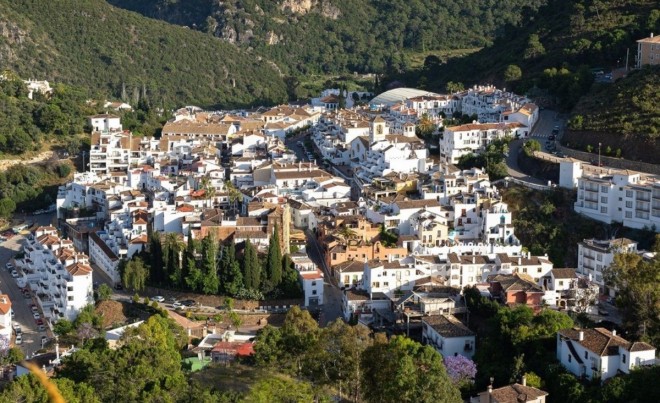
column 274, row 259
column 209, row 269
column 251, row 268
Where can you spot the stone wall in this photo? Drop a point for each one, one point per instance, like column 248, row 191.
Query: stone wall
column 610, row 161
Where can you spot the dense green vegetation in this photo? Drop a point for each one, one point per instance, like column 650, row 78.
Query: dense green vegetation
column 104, row 49
column 25, row 122
column 512, row 342
column 348, row 35
column 628, row 107
column 347, row 359
column 207, row 267
column 545, row 222
column 27, row 188
column 548, row 56
column 493, row 160
column 638, row 282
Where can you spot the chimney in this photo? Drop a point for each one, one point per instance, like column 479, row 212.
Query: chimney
column 524, row 380
column 651, row 34
column 613, row 332
column 580, row 335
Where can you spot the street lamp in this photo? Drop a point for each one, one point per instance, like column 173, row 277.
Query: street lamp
column 599, row 144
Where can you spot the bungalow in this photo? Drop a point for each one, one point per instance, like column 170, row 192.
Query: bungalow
column 514, row 393
column 516, row 289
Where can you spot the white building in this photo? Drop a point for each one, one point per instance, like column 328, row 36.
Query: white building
column 474, row 138
column 311, row 279
column 105, row 123
column 594, row 256
column 600, row 354
column 448, row 335
column 624, row 196
column 60, row 276
column 5, row 316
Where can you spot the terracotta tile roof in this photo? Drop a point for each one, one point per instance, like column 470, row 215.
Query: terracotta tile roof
column 563, row 273
column 5, row 304
column 185, row 127
column 79, row 269
column 447, row 326
column 602, row 342
column 141, row 239
column 515, row 393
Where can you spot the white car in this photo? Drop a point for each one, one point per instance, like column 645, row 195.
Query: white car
column 14, row 274
column 19, row 339
column 9, row 266
column 158, row 298
column 36, row 315
column 177, row 304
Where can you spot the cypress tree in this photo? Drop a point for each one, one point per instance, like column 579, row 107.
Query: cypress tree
column 210, row 280
column 189, row 258
column 251, row 269
column 274, row 259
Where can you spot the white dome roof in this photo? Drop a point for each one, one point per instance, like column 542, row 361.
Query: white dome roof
column 389, row 98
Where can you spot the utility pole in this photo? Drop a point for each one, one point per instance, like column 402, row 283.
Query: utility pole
column 627, row 56
column 599, row 144
column 83, row 161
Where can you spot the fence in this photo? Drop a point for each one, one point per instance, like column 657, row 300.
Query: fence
column 530, row 185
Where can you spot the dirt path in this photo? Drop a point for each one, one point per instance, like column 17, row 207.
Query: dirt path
column 41, row 157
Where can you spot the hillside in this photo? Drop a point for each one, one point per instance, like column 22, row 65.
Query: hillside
column 546, row 54
column 624, row 115
column 336, row 36
column 92, row 44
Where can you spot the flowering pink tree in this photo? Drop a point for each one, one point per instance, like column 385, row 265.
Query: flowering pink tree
column 460, row 369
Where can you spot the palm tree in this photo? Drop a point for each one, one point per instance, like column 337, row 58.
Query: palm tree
column 209, row 189
column 346, row 233
column 234, row 194
column 425, row 126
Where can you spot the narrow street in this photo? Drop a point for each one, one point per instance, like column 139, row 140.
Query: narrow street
column 332, row 295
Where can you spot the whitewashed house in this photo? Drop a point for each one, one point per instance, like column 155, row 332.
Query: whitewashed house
column 600, row 354
column 448, row 335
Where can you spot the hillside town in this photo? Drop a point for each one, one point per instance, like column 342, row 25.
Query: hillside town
column 381, row 232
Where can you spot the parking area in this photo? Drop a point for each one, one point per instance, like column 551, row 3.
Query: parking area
column 27, row 319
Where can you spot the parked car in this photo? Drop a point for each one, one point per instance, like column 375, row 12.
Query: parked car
column 41, row 328
column 603, row 312
column 44, row 339
column 39, row 322
column 158, row 298
column 177, row 305
column 34, row 309
column 189, row 302
column 36, row 315
column 9, row 266
column 18, row 330
column 19, row 339
column 118, row 286
column 14, row 274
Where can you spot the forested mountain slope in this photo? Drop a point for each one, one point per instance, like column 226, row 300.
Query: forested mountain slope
column 94, row 45
column 335, row 36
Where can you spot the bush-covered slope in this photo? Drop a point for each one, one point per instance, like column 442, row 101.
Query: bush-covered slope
column 334, row 36
column 93, row 44
column 629, row 106
column 563, row 35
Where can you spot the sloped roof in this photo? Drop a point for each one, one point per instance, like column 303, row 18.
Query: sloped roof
column 391, row 97
column 447, row 326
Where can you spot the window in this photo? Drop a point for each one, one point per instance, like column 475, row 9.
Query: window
column 628, row 214
column 629, row 193
column 586, row 355
column 604, row 189
column 376, row 284
column 313, row 283
column 561, row 283
column 629, row 204
column 524, row 270
column 70, row 299
column 623, row 358
column 313, row 292
column 603, row 210
column 386, row 284
column 570, row 359
column 603, row 199
column 538, row 270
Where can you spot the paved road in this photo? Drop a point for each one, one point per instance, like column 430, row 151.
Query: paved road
column 21, row 305
column 332, row 295
column 541, row 131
